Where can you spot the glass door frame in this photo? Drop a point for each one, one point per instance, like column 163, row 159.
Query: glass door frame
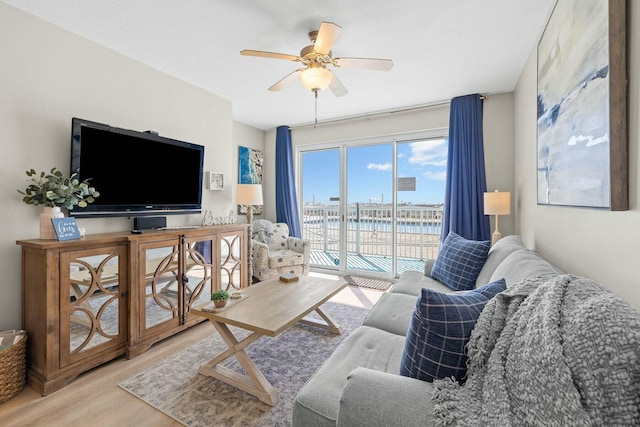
column 344, row 254
column 300, row 151
column 342, row 147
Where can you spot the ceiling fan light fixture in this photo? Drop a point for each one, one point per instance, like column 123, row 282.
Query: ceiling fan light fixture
column 316, row 57
column 316, row 78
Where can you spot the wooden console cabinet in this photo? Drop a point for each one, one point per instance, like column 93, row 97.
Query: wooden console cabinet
column 87, row 301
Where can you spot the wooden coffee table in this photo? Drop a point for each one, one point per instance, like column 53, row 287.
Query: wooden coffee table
column 271, row 307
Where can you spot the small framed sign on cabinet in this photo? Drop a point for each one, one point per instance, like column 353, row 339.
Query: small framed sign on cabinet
column 66, row 228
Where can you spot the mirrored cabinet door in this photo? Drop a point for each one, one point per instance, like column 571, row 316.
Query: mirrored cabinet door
column 200, row 279
column 161, row 290
column 231, row 254
column 92, row 301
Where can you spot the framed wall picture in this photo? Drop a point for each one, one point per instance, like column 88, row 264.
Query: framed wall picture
column 215, row 180
column 582, row 131
column 250, row 172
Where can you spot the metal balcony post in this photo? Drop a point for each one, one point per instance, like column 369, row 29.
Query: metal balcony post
column 358, row 228
column 325, row 224
column 421, row 233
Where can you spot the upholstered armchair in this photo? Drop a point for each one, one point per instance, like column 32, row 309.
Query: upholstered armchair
column 274, row 252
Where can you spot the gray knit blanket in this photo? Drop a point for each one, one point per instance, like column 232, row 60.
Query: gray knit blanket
column 550, row 351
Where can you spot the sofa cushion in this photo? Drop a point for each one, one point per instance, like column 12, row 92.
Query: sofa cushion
column 392, row 313
column 285, row 258
column 459, row 262
column 411, row 282
column 521, row 264
column 440, row 329
column 498, row 252
column 318, row 401
column 280, row 236
column 374, row 398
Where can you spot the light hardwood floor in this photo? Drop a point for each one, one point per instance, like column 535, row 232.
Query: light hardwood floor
column 94, row 398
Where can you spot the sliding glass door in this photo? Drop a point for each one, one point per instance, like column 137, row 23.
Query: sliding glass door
column 369, row 209
column 321, row 206
column 373, row 208
column 421, row 171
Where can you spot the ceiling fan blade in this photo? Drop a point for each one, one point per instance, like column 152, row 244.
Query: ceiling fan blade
column 327, row 35
column 286, row 80
column 337, row 87
column 263, row 54
column 365, row 63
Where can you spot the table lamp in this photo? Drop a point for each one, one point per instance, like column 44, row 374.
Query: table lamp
column 497, row 203
column 250, row 195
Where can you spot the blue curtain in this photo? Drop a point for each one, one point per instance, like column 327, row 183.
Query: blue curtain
column 466, row 180
column 286, row 199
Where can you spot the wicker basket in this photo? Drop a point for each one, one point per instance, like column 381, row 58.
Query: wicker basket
column 12, row 369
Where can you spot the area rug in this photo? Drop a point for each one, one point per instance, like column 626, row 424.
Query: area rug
column 368, row 282
column 287, row 361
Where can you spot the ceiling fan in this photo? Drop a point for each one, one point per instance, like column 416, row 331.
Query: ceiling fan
column 315, row 75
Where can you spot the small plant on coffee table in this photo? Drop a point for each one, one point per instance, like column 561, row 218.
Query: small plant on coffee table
column 220, row 298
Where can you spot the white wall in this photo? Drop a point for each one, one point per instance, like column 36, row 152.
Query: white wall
column 498, row 141
column 48, row 76
column 596, row 244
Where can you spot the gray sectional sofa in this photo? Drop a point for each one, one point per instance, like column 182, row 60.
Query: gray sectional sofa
column 360, row 384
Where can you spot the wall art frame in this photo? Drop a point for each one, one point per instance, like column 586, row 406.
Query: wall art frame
column 582, row 138
column 215, row 181
column 250, row 172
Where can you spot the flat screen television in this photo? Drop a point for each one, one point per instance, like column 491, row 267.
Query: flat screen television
column 136, row 173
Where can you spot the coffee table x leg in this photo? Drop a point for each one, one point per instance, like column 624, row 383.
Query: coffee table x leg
column 330, row 324
column 254, row 382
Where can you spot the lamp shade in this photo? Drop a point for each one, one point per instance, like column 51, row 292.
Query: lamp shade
column 249, row 194
column 497, row 203
column 316, row 78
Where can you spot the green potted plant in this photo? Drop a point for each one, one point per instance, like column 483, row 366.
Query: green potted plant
column 220, row 298
column 53, row 191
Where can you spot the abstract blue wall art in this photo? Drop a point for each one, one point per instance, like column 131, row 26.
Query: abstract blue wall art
column 250, row 166
column 579, row 153
column 249, row 172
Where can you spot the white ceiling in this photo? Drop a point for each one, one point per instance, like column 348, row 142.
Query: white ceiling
column 440, row 49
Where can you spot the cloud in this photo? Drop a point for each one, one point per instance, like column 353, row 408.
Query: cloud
column 589, row 139
column 430, row 152
column 436, row 176
column 380, row 166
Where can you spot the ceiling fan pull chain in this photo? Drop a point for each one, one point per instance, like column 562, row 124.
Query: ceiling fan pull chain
column 315, row 124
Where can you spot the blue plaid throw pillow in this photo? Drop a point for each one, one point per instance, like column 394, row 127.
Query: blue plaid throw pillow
column 459, row 262
column 440, row 329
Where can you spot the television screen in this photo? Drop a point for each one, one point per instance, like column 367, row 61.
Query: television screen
column 136, row 173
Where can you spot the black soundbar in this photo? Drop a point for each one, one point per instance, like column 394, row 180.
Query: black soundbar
column 149, row 222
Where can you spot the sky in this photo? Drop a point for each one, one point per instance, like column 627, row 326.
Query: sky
column 370, row 173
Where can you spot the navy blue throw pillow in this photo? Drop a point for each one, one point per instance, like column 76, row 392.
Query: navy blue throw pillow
column 440, row 329
column 459, row 262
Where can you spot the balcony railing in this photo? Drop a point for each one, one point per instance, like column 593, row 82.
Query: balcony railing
column 369, row 231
